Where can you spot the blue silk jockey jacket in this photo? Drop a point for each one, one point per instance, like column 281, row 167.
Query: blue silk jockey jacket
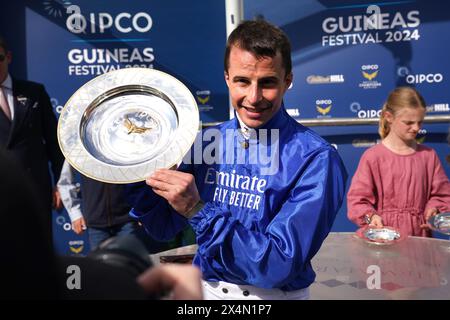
column 270, row 201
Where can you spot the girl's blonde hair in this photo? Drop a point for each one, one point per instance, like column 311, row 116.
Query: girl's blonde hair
column 399, row 98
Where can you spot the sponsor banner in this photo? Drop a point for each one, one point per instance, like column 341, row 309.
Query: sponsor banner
column 360, row 52
column 67, row 43
column 371, row 25
column 81, row 39
column 347, row 57
column 333, row 78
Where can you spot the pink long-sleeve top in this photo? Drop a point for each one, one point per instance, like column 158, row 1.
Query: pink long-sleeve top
column 399, row 188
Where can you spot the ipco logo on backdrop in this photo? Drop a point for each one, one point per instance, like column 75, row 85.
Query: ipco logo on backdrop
column 333, row 78
column 418, row 78
column 369, row 73
column 428, row 78
column 364, row 113
column 56, row 106
column 61, row 221
column 95, row 61
column 101, row 22
column 324, row 107
column 76, row 246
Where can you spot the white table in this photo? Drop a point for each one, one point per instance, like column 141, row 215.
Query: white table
column 346, row 267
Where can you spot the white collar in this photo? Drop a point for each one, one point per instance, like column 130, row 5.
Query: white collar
column 7, row 83
column 244, row 128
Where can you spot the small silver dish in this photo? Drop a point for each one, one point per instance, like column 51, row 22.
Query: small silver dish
column 440, row 223
column 380, row 236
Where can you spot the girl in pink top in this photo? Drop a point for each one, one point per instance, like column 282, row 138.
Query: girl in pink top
column 399, row 183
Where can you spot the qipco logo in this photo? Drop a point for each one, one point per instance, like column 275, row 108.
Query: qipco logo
column 369, row 67
column 428, row 78
column 123, row 22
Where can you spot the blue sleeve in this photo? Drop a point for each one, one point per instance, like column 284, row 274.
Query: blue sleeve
column 159, row 219
column 275, row 256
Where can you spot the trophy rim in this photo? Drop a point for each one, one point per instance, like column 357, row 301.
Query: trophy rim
column 433, row 220
column 186, row 130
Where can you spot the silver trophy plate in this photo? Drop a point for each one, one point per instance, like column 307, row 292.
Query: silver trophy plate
column 440, row 223
column 123, row 125
column 380, row 236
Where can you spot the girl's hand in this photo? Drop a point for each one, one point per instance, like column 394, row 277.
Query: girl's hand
column 376, row 221
column 430, row 212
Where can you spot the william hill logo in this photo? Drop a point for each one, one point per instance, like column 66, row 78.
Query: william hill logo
column 369, row 73
column 438, row 107
column 324, row 107
column 317, row 79
column 203, row 96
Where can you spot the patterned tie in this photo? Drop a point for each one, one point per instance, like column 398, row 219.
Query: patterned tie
column 4, row 104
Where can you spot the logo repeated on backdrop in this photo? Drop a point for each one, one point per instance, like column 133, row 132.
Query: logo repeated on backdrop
column 61, row 221
column 333, row 78
column 56, row 106
column 438, row 107
column 371, row 27
column 364, row 113
column 56, row 8
column 418, row 78
column 76, row 246
column 111, row 35
column 420, row 140
column 369, row 73
column 293, row 112
column 203, row 99
column 323, row 107
column 124, row 22
column 364, row 143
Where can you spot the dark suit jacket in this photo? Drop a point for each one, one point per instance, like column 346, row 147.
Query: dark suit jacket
column 29, row 268
column 31, row 137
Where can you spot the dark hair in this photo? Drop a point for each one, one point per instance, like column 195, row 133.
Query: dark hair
column 3, row 44
column 399, row 98
column 262, row 39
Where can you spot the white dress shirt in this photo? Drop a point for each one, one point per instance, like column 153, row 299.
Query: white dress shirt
column 245, row 130
column 70, row 193
column 7, row 89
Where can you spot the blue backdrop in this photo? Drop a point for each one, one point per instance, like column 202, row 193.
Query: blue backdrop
column 346, row 59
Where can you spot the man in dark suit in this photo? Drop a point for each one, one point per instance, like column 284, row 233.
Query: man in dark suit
column 28, row 131
column 31, row 270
